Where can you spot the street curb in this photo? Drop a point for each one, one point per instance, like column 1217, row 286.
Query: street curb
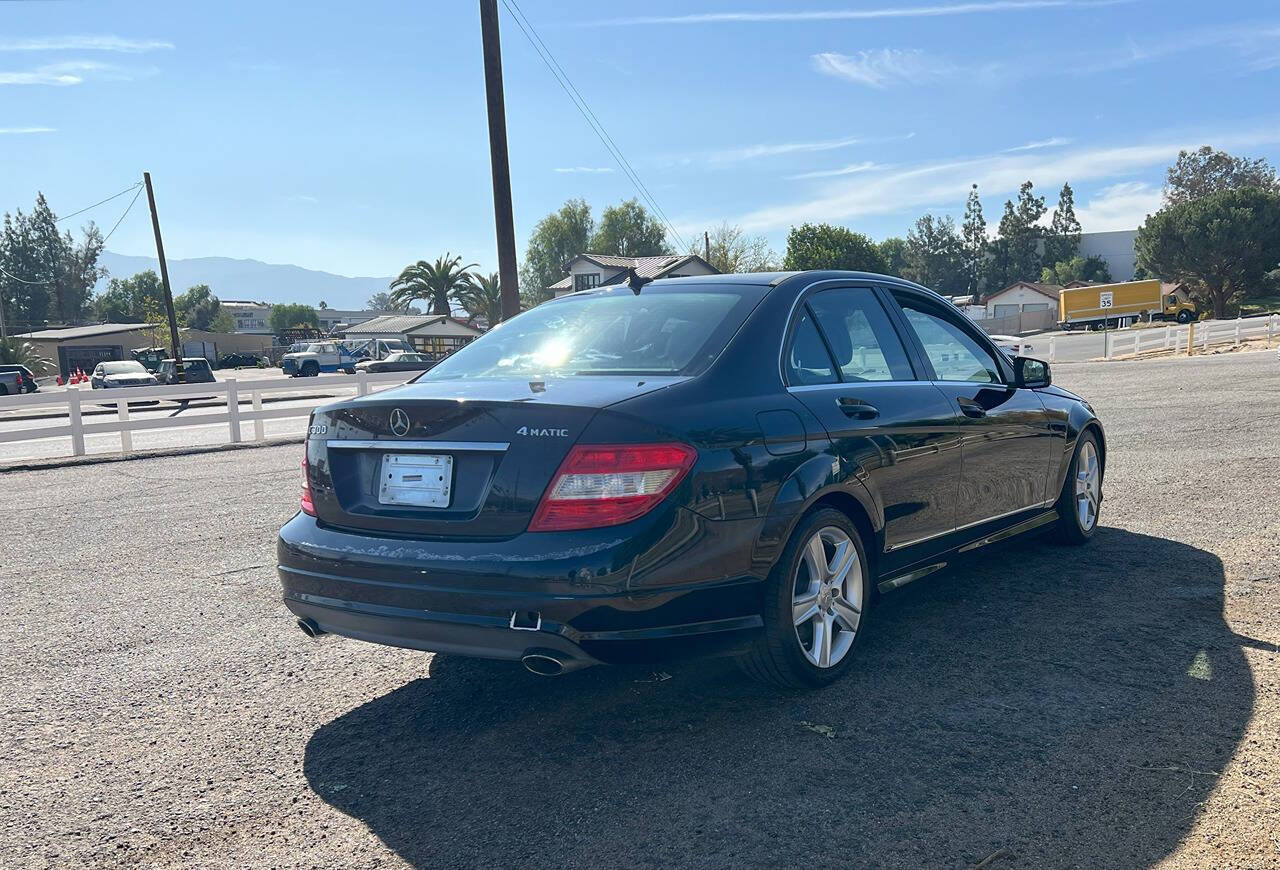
column 155, row 453
column 199, row 404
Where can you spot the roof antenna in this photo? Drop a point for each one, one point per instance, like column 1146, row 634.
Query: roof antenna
column 636, row 283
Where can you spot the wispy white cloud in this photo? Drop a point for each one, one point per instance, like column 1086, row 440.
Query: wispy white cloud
column 102, row 42
column 588, row 169
column 1052, row 142
column 893, row 189
column 23, row 131
column 882, row 67
column 303, row 198
column 73, row 73
column 1258, row 45
column 752, row 152
column 923, row 11
column 851, row 169
column 1121, row 206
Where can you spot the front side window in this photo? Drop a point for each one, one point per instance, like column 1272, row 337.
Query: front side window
column 955, row 355
column 859, row 332
column 614, row 331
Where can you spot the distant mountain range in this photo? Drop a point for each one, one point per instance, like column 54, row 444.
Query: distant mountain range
column 251, row 279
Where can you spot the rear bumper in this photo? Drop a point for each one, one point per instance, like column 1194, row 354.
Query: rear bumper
column 460, row 598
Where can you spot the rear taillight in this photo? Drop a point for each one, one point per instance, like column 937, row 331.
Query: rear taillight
column 308, row 507
column 608, row 484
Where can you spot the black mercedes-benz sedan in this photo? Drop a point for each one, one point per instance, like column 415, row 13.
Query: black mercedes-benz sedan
column 729, row 464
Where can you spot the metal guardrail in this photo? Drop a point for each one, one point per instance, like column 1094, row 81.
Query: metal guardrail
column 1129, row 343
column 232, row 392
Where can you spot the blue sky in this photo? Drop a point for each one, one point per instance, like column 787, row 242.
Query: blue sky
column 352, row 138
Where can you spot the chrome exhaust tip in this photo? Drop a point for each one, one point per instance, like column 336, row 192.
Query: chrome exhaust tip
column 543, row 663
column 310, row 628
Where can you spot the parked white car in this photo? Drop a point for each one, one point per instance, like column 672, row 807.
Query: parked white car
column 1013, row 345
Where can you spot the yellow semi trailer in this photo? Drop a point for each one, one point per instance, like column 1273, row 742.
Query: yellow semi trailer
column 1121, row 304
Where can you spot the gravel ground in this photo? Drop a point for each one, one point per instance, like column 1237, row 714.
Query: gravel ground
column 1115, row 705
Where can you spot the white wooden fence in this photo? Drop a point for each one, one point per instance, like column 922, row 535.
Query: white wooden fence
column 230, row 393
column 1206, row 334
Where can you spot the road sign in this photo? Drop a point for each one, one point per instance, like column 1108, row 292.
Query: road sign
column 1105, row 299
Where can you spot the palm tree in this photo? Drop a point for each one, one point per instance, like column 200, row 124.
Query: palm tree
column 483, row 298
column 15, row 353
column 435, row 282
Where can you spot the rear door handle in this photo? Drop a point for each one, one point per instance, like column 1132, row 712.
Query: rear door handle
column 971, row 408
column 857, row 409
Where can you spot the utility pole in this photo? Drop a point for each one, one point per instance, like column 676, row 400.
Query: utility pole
column 706, row 241
column 4, row 332
column 498, row 159
column 164, row 280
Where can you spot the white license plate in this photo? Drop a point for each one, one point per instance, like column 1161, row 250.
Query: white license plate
column 416, row 479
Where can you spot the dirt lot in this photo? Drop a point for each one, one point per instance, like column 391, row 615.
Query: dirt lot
column 1116, row 705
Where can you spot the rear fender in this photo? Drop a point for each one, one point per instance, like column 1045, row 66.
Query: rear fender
column 816, row 480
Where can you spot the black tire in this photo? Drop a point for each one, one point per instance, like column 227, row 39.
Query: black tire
column 778, row 656
column 1071, row 528
column 4, row 391
column 1184, row 317
column 310, row 369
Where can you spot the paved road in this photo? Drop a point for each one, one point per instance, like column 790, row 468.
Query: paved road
column 1109, row 706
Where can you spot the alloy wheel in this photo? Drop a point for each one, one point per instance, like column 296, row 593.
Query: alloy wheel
column 827, row 596
column 1088, row 485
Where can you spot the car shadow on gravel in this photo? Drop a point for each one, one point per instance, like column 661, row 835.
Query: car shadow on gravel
column 1068, row 706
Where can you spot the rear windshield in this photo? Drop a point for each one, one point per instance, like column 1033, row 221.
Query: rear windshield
column 661, row 331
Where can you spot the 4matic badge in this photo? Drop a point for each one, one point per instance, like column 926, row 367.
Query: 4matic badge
column 543, row 433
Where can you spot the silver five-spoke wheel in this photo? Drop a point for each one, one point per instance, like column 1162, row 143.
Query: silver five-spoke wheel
column 827, row 596
column 1088, row 485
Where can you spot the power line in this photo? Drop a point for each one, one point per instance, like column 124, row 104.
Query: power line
column 126, row 212
column 128, row 208
column 580, row 103
column 96, row 204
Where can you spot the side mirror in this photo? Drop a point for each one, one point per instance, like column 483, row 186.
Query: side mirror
column 1031, row 373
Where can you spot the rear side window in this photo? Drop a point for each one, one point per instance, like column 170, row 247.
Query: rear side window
column 955, row 355
column 807, row 359
column 859, row 332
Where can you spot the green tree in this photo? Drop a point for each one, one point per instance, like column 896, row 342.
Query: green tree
column 482, row 298
column 1015, row 252
column 46, row 276
column 293, row 314
column 1062, row 242
column 1205, row 171
column 381, row 301
column 935, row 255
column 198, row 308
column 628, row 230
column 1222, row 244
column 436, row 282
column 130, row 300
column 24, row 353
column 894, row 251
column 1091, row 268
column 973, row 235
column 555, row 240
column 735, row 252
column 823, row 246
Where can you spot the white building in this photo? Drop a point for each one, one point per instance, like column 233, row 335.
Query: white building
column 602, row 270
column 1022, row 297
column 437, row 335
column 1116, row 248
column 251, row 317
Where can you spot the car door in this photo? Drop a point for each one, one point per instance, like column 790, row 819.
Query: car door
column 890, row 428
column 1006, row 432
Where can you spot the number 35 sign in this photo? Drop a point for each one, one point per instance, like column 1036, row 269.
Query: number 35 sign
column 1105, row 299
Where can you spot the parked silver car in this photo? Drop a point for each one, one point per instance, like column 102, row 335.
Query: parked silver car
column 121, row 373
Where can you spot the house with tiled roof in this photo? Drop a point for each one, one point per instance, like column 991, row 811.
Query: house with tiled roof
column 1021, row 297
column 586, row 271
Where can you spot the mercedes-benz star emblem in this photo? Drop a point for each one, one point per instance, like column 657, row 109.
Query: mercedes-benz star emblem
column 399, row 423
